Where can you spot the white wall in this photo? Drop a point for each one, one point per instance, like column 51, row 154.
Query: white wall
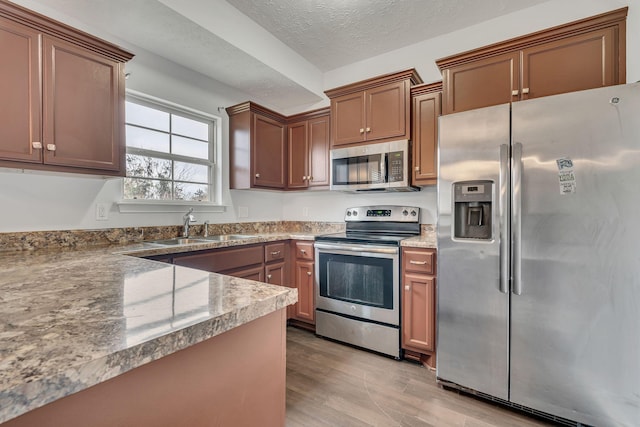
column 34, row 201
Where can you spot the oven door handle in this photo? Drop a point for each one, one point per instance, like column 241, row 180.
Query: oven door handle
column 357, row 248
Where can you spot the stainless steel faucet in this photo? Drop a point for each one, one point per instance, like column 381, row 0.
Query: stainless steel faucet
column 188, row 219
column 206, row 229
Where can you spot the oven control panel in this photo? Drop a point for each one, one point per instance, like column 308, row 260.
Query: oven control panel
column 387, row 213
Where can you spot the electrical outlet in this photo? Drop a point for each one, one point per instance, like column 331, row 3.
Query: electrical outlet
column 305, row 212
column 243, row 212
column 102, row 211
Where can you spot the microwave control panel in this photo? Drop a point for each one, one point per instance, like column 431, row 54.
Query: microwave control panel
column 396, row 165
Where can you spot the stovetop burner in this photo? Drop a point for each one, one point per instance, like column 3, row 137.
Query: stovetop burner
column 382, row 224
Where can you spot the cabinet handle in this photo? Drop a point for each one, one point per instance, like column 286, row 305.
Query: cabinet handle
column 268, row 276
column 368, row 129
column 525, row 90
column 37, row 145
column 308, row 273
column 417, row 262
column 257, row 175
column 275, row 253
column 361, row 130
column 303, row 251
column 310, row 178
column 407, row 288
column 51, row 147
column 515, row 92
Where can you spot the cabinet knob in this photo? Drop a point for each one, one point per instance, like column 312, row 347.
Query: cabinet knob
column 51, row 147
column 308, row 273
column 525, row 90
column 310, row 178
column 361, row 130
column 368, row 129
column 515, row 92
column 407, row 288
column 268, row 276
column 417, row 168
column 303, row 251
column 275, row 253
column 37, row 145
column 257, row 175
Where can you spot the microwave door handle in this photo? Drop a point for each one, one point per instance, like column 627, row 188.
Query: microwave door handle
column 384, row 158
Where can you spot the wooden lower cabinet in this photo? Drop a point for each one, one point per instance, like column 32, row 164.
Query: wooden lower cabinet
column 419, row 305
column 303, row 263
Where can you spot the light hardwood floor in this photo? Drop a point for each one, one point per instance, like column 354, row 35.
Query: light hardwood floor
column 330, row 384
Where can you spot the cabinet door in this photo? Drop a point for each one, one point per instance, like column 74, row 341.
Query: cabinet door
column 20, row 88
column 252, row 273
column 276, row 274
column 298, row 155
column 481, row 83
column 386, row 111
column 585, row 61
column 82, row 107
column 426, row 110
column 319, row 152
column 268, row 146
column 418, row 312
column 305, row 308
column 348, row 118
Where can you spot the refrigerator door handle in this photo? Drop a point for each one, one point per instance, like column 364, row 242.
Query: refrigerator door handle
column 516, row 219
column 503, row 218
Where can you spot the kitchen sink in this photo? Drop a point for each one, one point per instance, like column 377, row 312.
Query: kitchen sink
column 225, row 237
column 177, row 241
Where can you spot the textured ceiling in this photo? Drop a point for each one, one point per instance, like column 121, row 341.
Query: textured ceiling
column 335, row 33
column 226, row 40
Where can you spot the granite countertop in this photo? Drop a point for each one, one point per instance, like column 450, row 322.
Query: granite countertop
column 70, row 319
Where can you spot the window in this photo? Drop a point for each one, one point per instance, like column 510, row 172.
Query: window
column 170, row 152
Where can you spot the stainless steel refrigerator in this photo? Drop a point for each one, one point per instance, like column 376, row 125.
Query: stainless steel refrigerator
column 539, row 254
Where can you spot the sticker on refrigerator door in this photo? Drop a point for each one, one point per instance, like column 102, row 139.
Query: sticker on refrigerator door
column 566, row 177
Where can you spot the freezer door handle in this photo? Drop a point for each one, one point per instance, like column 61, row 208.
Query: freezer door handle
column 503, row 218
column 516, row 220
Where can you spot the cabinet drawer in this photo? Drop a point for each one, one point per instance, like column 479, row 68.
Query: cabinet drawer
column 419, row 261
column 274, row 251
column 304, row 250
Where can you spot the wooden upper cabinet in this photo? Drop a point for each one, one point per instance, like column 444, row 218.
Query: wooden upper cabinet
column 426, row 101
column 20, row 109
column 575, row 63
column 298, row 155
column 584, row 54
column 257, row 147
column 309, row 150
column 81, row 107
column 377, row 109
column 268, row 152
column 482, row 83
column 62, row 96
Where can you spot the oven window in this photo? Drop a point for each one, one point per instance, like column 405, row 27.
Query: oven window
column 357, row 279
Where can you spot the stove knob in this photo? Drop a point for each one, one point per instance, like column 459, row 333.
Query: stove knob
column 355, row 213
column 405, row 213
column 414, row 213
column 348, row 213
column 353, row 308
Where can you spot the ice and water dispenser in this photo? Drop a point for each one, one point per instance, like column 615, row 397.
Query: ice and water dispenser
column 472, row 209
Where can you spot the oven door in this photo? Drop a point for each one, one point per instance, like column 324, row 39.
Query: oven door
column 358, row 280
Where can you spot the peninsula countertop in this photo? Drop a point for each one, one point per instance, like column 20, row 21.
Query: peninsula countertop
column 70, row 319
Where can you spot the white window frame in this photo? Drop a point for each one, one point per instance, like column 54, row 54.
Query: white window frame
column 215, row 196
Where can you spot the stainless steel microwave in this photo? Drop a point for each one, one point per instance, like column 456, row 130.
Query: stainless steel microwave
column 384, row 166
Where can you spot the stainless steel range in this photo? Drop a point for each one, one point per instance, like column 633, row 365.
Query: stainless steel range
column 358, row 277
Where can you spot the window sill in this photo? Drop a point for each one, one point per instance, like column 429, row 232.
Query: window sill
column 151, row 206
